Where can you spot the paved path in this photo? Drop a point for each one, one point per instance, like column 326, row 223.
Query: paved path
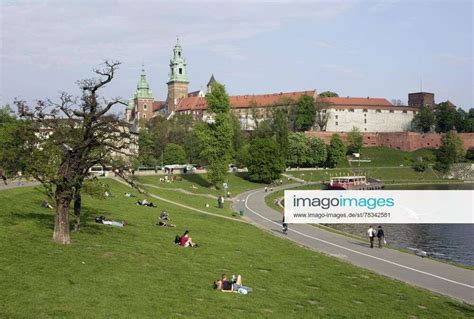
column 433, row 275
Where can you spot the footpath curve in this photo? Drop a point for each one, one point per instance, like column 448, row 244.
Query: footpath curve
column 426, row 273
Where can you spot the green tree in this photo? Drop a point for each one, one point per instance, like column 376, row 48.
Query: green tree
column 265, row 163
column 192, row 147
column 174, row 154
column 263, row 130
column 71, row 136
column 298, row 150
column 424, row 120
column 445, row 117
column 328, row 94
column 305, row 113
column 237, row 138
column 280, row 130
column 146, row 154
column 336, row 151
column 14, row 134
column 216, row 141
column 243, row 156
column 218, row 100
column 451, row 151
column 356, row 140
column 317, row 151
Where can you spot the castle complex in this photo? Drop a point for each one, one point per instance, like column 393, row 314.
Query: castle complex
column 368, row 114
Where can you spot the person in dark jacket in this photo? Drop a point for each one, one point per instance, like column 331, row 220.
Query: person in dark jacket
column 381, row 236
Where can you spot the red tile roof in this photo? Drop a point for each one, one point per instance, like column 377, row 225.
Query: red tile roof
column 355, row 101
column 243, row 101
column 158, row 105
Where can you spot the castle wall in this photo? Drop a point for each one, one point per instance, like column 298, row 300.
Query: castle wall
column 369, row 119
column 405, row 141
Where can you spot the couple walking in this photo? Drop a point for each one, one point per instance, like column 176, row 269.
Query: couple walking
column 378, row 233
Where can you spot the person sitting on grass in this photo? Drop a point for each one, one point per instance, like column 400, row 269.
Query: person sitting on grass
column 46, row 204
column 186, row 241
column 103, row 220
column 234, row 285
column 164, row 220
column 127, row 194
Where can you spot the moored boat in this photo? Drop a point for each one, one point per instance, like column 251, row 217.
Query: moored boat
column 354, row 183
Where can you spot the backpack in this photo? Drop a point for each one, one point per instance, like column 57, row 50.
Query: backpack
column 177, row 239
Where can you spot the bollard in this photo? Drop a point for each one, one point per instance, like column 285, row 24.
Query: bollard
column 241, row 212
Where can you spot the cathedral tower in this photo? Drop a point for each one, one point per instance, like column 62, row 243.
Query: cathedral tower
column 178, row 78
column 143, row 99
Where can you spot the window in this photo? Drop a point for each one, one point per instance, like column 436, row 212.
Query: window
column 179, row 54
column 144, row 116
column 351, row 110
column 365, row 129
column 378, row 111
column 144, row 107
column 336, row 123
column 180, row 71
column 365, row 121
column 336, row 117
column 405, row 112
column 391, row 111
column 364, row 110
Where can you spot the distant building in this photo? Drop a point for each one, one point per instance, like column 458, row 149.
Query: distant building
column 421, row 99
column 344, row 113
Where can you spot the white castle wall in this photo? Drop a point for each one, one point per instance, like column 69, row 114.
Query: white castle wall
column 369, row 120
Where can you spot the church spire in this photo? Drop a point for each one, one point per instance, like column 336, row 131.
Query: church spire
column 178, row 65
column 143, row 89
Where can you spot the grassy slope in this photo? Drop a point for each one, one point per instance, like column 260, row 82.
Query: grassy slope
column 385, row 157
column 136, row 271
column 236, row 182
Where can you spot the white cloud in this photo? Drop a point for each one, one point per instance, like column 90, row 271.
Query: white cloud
column 324, row 44
column 456, row 59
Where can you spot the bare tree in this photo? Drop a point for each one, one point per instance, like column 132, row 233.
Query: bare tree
column 71, row 136
column 322, row 114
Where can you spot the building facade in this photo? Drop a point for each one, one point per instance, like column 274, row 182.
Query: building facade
column 343, row 113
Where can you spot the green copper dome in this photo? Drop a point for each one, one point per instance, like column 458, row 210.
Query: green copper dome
column 178, row 65
column 143, row 89
column 131, row 104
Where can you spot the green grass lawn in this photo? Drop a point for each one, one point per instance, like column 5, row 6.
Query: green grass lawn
column 386, row 157
column 237, row 183
column 137, row 271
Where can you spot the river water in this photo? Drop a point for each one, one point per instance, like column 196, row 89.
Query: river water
column 452, row 242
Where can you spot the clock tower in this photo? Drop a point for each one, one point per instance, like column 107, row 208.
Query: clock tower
column 178, row 78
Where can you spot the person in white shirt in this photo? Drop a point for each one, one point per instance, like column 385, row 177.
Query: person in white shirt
column 371, row 233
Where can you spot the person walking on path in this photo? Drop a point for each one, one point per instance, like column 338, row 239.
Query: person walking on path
column 381, row 236
column 19, row 176
column 2, row 175
column 371, row 232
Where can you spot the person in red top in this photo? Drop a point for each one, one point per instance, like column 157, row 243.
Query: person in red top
column 186, row 241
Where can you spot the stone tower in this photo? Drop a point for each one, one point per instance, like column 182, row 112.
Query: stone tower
column 143, row 99
column 178, row 78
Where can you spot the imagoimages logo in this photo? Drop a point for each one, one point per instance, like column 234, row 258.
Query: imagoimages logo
column 381, row 206
column 343, row 201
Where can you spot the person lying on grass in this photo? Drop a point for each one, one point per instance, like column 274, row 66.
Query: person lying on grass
column 185, row 240
column 234, row 285
column 105, row 221
column 164, row 220
column 145, row 203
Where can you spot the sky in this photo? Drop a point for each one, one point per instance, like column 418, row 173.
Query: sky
column 383, row 49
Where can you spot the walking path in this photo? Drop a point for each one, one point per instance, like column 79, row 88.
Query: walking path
column 433, row 275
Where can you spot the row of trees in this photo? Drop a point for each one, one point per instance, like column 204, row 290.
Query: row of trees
column 444, row 118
